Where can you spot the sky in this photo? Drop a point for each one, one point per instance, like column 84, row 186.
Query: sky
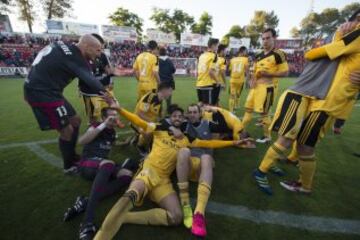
column 225, row 12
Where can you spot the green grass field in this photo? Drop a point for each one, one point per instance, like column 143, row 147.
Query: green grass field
column 34, row 194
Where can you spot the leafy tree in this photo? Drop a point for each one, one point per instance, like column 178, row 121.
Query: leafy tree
column 123, row 17
column 57, row 8
column 259, row 23
column 204, row 25
column 177, row 22
column 26, row 12
column 235, row 31
column 4, row 6
column 320, row 25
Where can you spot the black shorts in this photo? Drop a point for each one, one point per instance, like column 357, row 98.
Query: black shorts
column 312, row 128
column 216, row 94
column 53, row 114
column 208, row 95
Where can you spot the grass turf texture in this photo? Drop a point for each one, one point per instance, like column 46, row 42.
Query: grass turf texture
column 34, row 195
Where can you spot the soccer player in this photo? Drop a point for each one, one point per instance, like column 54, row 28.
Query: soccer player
column 52, row 70
column 197, row 164
column 220, row 71
column 154, row 177
column 108, row 177
column 239, row 69
column 103, row 71
column 292, row 120
column 337, row 104
column 146, row 68
column 149, row 109
column 270, row 63
column 207, row 81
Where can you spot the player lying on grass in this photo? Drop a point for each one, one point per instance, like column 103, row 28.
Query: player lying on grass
column 325, row 89
column 196, row 164
column 230, row 125
column 108, row 177
column 153, row 179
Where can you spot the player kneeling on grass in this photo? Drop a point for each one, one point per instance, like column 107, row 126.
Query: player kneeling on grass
column 154, row 177
column 198, row 163
column 108, row 177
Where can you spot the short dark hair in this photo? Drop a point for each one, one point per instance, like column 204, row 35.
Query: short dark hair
column 173, row 108
column 352, row 18
column 162, row 51
column 221, row 48
column 164, row 85
column 273, row 32
column 213, row 41
column 242, row 49
column 152, row 45
column 98, row 37
column 105, row 110
column 194, row 105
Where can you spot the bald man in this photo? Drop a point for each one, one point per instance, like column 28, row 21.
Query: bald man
column 53, row 69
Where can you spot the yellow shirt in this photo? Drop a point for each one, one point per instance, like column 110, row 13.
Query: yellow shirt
column 342, row 94
column 146, row 64
column 207, row 61
column 272, row 62
column 225, row 119
column 237, row 67
column 220, row 68
column 150, row 106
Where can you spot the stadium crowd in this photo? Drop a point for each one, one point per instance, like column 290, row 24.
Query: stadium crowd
column 19, row 50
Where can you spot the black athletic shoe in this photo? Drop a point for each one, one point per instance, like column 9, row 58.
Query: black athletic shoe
column 78, row 207
column 87, row 231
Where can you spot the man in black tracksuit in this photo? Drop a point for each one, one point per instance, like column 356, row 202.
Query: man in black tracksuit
column 166, row 72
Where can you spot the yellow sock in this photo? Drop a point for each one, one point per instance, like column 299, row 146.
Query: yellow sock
column 155, row 217
column 114, row 219
column 247, row 118
column 307, row 171
column 184, row 193
column 275, row 152
column 293, row 156
column 203, row 192
column 266, row 121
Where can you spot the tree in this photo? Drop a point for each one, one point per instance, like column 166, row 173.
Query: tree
column 259, row 23
column 123, row 17
column 57, row 8
column 235, row 31
column 204, row 25
column 349, row 10
column 26, row 12
column 177, row 22
column 295, row 32
column 4, row 6
column 320, row 25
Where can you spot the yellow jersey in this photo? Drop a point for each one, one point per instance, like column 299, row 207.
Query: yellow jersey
column 220, row 67
column 272, row 62
column 146, row 64
column 207, row 61
column 237, row 68
column 342, row 94
column 150, row 106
